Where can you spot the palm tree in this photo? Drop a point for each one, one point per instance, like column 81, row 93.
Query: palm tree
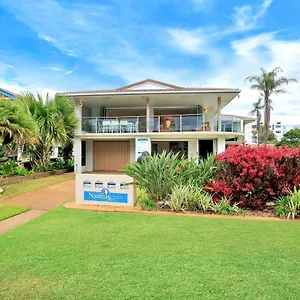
column 16, row 123
column 56, row 121
column 257, row 107
column 268, row 84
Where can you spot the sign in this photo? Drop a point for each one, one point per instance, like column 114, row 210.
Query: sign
column 141, row 145
column 105, row 196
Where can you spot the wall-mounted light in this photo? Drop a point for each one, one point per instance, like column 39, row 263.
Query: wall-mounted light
column 205, row 110
column 81, row 103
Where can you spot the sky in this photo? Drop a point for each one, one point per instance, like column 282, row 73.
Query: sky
column 67, row 45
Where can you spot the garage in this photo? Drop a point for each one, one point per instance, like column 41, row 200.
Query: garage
column 111, row 155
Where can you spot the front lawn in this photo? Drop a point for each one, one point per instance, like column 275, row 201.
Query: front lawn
column 68, row 254
column 10, row 211
column 34, row 184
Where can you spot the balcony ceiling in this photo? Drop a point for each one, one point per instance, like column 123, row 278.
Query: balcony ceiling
column 206, row 100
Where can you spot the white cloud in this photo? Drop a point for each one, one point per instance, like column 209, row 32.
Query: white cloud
column 189, row 41
column 68, row 72
column 245, row 18
column 46, row 38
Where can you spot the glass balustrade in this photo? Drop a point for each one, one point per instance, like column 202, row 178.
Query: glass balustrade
column 163, row 123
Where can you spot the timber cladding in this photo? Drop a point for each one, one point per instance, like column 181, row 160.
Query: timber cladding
column 111, row 156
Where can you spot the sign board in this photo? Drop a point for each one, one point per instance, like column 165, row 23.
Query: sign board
column 105, row 189
column 142, row 144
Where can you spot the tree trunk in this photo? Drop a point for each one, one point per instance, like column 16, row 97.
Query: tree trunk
column 258, row 119
column 267, row 119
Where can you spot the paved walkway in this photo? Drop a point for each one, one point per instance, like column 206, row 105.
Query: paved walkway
column 39, row 201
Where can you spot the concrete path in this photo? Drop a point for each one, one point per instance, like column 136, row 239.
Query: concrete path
column 39, row 201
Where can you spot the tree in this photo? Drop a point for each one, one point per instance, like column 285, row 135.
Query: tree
column 16, row 123
column 271, row 136
column 268, row 84
column 56, row 122
column 257, row 106
column 291, row 139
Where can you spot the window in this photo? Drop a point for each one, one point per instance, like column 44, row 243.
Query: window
column 83, row 153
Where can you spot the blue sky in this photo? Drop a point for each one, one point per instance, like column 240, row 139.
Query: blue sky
column 56, row 45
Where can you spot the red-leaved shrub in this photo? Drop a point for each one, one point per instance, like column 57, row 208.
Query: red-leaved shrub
column 255, row 176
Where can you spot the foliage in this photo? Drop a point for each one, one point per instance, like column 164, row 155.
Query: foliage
column 291, row 139
column 289, row 206
column 157, row 175
column 56, row 122
column 10, row 168
column 223, row 207
column 254, row 176
column 268, row 84
column 257, row 107
column 272, row 139
column 145, row 202
column 16, row 123
column 189, row 198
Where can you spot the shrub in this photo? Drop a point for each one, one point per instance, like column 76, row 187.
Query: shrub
column 223, row 207
column 255, row 176
column 289, row 206
column 10, row 168
column 189, row 198
column 157, row 175
column 145, row 202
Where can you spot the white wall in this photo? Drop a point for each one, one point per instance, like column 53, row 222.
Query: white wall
column 221, row 144
column 193, row 148
column 132, row 150
column 89, row 162
column 77, row 156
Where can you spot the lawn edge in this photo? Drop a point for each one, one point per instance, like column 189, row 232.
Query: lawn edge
column 106, row 208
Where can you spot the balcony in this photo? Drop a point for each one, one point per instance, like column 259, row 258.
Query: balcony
column 162, row 123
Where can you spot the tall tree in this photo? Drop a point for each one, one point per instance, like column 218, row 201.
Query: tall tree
column 268, row 84
column 16, row 123
column 56, row 121
column 257, row 107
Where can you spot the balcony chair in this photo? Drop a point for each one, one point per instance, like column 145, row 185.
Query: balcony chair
column 106, row 126
column 115, row 126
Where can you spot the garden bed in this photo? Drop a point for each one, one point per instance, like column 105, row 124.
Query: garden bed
column 17, row 179
column 249, row 215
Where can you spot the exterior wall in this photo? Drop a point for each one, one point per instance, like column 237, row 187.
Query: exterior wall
column 251, row 133
column 221, row 145
column 89, row 157
column 77, row 156
column 193, row 148
column 132, row 150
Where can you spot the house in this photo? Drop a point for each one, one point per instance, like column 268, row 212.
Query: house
column 117, row 125
column 5, row 94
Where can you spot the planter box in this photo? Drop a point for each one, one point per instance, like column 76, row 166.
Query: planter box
column 18, row 179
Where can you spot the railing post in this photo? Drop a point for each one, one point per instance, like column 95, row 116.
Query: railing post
column 96, row 125
column 158, row 123
column 242, row 125
column 180, row 123
column 203, row 121
column 137, row 124
column 219, row 123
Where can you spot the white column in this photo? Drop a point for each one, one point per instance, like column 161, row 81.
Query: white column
column 219, row 113
column 77, row 156
column 148, row 113
column 89, row 156
column 193, row 148
column 78, row 113
column 220, row 144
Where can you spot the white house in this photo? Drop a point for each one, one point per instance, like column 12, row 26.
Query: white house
column 117, row 125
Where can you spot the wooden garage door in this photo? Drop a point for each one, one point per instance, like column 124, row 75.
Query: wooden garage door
column 111, row 156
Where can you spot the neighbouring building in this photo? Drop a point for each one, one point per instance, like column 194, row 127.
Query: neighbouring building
column 117, row 125
column 251, row 136
column 280, row 129
column 5, row 94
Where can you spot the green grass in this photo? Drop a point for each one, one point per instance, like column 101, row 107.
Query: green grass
column 35, row 184
column 10, row 211
column 68, row 254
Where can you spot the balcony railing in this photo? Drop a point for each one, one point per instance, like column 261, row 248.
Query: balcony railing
column 163, row 123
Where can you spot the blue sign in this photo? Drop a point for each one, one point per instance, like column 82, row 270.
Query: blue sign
column 105, row 196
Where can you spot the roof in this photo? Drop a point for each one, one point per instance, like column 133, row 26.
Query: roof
column 150, row 86
column 7, row 93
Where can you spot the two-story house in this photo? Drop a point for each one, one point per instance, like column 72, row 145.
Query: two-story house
column 117, row 125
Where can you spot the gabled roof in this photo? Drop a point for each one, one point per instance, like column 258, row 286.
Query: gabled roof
column 150, row 86
column 150, row 81
column 7, row 93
